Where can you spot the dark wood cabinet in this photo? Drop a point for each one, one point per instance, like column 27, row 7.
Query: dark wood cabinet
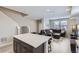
column 22, row 47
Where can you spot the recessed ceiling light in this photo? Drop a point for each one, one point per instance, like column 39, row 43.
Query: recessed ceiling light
column 48, row 10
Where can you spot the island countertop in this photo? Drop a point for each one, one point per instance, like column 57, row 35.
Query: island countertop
column 34, row 40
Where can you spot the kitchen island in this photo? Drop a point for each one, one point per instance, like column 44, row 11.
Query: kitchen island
column 30, row 43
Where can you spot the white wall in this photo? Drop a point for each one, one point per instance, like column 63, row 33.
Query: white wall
column 7, row 26
column 20, row 19
column 75, row 11
column 77, row 20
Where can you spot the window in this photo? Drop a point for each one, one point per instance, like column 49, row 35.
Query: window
column 58, row 24
column 51, row 23
column 78, row 29
column 63, row 24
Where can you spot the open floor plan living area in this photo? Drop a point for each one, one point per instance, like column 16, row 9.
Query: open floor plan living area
column 39, row 29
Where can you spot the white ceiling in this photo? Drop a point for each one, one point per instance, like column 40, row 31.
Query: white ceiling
column 37, row 12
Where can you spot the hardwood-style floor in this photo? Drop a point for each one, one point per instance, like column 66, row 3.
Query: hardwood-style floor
column 62, row 46
column 7, row 48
